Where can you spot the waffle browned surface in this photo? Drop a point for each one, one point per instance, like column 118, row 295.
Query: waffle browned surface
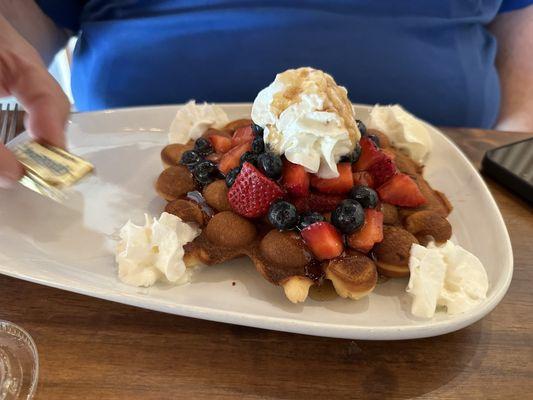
column 91, row 348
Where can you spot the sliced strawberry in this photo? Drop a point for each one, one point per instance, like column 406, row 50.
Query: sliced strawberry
column 252, row 192
column 342, row 184
column 324, row 240
column 318, row 202
column 401, row 190
column 242, row 135
column 382, row 170
column 370, row 233
column 363, row 178
column 295, row 179
column 214, row 157
column 219, row 132
column 370, row 154
column 220, row 143
column 232, row 158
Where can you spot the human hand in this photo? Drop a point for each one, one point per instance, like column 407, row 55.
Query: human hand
column 23, row 75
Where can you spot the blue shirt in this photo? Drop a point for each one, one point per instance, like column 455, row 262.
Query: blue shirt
column 435, row 57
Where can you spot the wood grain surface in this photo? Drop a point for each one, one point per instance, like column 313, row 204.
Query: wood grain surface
column 94, row 349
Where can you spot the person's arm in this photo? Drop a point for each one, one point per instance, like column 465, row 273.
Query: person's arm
column 514, row 32
column 24, row 75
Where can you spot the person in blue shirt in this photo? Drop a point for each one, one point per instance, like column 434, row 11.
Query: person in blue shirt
column 451, row 62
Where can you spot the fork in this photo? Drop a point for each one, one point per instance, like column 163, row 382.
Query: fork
column 8, row 123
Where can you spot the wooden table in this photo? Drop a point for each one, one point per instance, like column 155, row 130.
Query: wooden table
column 95, row 349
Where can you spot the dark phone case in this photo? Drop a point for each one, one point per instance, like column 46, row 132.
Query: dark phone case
column 512, row 167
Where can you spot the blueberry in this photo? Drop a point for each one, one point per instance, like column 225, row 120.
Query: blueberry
column 204, row 171
column 258, row 145
column 257, row 130
column 190, row 158
column 270, row 164
column 348, row 216
column 366, row 196
column 361, row 126
column 283, row 215
column 203, row 146
column 231, row 176
column 353, row 156
column 375, row 139
column 249, row 157
column 309, row 218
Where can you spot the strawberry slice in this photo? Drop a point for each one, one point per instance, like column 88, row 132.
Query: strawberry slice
column 401, row 190
column 342, row 184
column 382, row 170
column 295, row 179
column 324, row 240
column 220, row 143
column 252, row 192
column 243, row 134
column 363, row 178
column 370, row 233
column 232, row 158
column 370, row 154
column 318, row 202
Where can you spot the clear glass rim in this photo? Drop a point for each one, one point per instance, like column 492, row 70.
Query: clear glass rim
column 5, row 327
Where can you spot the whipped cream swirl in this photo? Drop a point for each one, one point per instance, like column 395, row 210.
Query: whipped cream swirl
column 307, row 117
column 146, row 254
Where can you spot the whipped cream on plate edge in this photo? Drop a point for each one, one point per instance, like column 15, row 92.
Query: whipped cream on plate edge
column 192, row 120
column 154, row 251
column 445, row 276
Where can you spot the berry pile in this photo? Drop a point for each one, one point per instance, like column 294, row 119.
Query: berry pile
column 329, row 213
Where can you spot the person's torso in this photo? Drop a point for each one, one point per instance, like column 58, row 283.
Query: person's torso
column 432, row 56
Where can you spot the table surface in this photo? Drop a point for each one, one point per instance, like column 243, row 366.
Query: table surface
column 91, row 348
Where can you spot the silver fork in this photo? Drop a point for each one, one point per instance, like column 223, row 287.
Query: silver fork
column 8, row 123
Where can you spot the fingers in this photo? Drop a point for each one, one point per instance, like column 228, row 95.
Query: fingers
column 46, row 105
column 10, row 169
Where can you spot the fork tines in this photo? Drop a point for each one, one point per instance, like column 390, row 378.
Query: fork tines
column 8, row 122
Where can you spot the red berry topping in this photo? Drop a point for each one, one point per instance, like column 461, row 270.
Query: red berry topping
column 369, row 234
column 318, row 202
column 324, row 240
column 342, row 184
column 401, row 190
column 370, row 154
column 382, row 170
column 220, row 143
column 252, row 192
column 243, row 134
column 232, row 158
column 295, row 179
column 363, row 178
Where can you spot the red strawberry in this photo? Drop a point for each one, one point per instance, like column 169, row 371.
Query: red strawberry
column 324, row 240
column 401, row 190
column 220, row 143
column 382, row 170
column 342, row 184
column 370, row 233
column 242, row 135
column 295, row 179
column 318, row 202
column 232, row 158
column 252, row 192
column 363, row 178
column 370, row 153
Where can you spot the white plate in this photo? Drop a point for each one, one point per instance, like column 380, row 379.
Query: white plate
column 71, row 246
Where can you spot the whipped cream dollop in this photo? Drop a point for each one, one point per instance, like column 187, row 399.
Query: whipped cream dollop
column 307, row 117
column 405, row 131
column 447, row 276
column 154, row 251
column 192, row 120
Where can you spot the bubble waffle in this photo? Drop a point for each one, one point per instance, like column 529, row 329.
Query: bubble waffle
column 282, row 256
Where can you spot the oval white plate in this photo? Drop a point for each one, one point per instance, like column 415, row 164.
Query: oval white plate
column 71, row 246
